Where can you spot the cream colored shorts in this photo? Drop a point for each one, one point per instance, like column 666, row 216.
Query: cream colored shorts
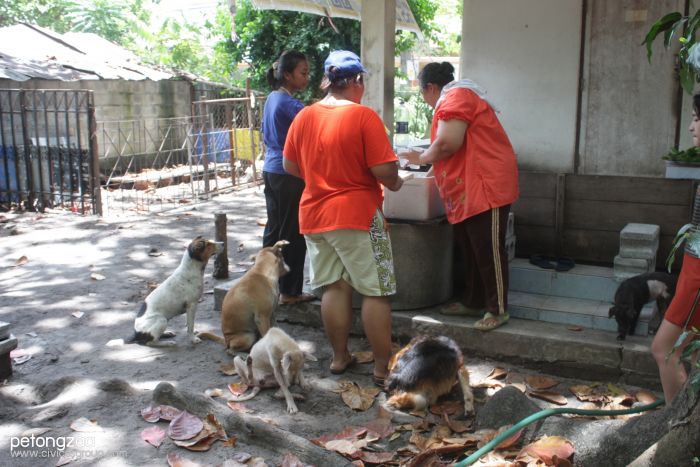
column 361, row 258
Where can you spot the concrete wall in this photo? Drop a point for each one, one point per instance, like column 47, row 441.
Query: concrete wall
column 630, row 107
column 124, row 100
column 526, row 55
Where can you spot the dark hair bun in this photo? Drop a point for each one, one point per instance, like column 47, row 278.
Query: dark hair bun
column 447, row 68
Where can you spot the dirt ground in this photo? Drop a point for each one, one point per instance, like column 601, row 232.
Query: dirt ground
column 80, row 287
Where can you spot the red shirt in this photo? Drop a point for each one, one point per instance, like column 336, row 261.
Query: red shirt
column 334, row 147
column 483, row 173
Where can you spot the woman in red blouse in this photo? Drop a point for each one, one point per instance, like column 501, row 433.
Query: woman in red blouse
column 477, row 176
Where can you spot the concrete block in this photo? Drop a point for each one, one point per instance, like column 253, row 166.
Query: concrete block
column 641, row 232
column 510, row 228
column 7, row 345
column 510, row 247
column 4, row 330
column 624, row 268
column 639, row 241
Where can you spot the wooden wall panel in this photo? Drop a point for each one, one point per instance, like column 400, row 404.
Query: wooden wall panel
column 595, row 209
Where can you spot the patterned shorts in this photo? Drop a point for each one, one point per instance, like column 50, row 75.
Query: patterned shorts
column 361, row 258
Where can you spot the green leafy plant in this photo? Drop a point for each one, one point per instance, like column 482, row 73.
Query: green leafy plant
column 690, row 155
column 674, row 25
column 687, row 356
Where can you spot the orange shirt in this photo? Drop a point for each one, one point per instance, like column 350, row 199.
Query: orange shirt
column 483, row 173
column 334, row 147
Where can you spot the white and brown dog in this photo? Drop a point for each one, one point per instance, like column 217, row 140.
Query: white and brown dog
column 177, row 295
column 425, row 369
column 276, row 360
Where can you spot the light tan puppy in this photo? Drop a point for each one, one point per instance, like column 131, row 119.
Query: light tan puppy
column 275, row 360
column 247, row 311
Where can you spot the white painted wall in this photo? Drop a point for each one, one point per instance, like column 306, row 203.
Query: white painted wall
column 525, row 53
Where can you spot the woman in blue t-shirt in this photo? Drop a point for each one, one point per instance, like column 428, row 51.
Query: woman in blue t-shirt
column 289, row 74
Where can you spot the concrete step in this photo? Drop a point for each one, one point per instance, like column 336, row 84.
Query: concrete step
column 588, row 313
column 583, row 281
column 554, row 348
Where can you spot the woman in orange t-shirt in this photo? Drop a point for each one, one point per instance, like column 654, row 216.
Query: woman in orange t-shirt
column 477, row 176
column 341, row 150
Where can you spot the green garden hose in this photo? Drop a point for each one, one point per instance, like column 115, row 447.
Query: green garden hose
column 544, row 414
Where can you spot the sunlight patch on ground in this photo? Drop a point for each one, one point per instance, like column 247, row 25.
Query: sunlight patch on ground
column 109, row 318
column 149, row 385
column 53, row 323
column 81, row 347
column 73, row 394
column 7, row 431
column 136, row 353
column 24, row 393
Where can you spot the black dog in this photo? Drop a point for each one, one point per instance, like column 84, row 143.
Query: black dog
column 634, row 293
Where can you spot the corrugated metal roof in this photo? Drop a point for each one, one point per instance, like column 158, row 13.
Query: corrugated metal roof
column 29, row 51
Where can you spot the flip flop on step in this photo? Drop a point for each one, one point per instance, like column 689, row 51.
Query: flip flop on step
column 340, row 371
column 542, row 261
column 305, row 297
column 490, row 321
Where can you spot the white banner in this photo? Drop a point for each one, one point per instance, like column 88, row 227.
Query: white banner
column 339, row 9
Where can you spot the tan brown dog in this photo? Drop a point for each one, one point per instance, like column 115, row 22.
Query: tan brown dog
column 247, row 311
column 426, row 369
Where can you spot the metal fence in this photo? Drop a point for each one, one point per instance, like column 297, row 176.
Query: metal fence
column 48, row 150
column 160, row 164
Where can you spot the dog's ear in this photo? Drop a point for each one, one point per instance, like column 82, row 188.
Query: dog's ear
column 280, row 244
column 310, row 357
column 286, row 361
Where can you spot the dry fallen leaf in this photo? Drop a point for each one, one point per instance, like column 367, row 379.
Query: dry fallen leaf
column 342, row 446
column 96, row 276
column 240, row 408
column 575, row 328
column 151, row 413
column 377, row 457
column 455, row 425
column 349, row 432
column 359, row 398
column 549, row 396
column 77, row 314
column 381, row 426
column 548, row 447
column 497, row 373
column 185, row 426
column 216, row 392
column 228, row 369
column 363, row 357
column 511, row 440
column 538, row 382
column 168, row 412
column 449, row 407
column 153, row 436
column 290, row 460
column 237, row 389
column 21, row 261
column 592, row 393
column 645, row 397
column 176, row 460
column 84, row 425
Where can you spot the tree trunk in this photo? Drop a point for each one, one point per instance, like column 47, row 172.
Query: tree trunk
column 248, row 429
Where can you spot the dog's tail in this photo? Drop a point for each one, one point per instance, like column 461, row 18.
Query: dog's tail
column 138, row 337
column 246, row 397
column 211, row 337
column 408, row 401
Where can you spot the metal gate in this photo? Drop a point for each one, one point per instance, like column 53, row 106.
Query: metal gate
column 48, row 150
column 159, row 164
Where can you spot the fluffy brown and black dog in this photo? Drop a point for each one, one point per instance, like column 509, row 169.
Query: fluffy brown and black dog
column 635, row 292
column 247, row 311
column 424, row 370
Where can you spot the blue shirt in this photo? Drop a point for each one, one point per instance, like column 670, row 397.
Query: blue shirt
column 280, row 110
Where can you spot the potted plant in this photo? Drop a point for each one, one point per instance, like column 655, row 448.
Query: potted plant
column 683, row 164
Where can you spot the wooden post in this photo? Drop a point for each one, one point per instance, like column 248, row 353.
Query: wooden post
column 251, row 131
column 221, row 259
column 204, row 111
